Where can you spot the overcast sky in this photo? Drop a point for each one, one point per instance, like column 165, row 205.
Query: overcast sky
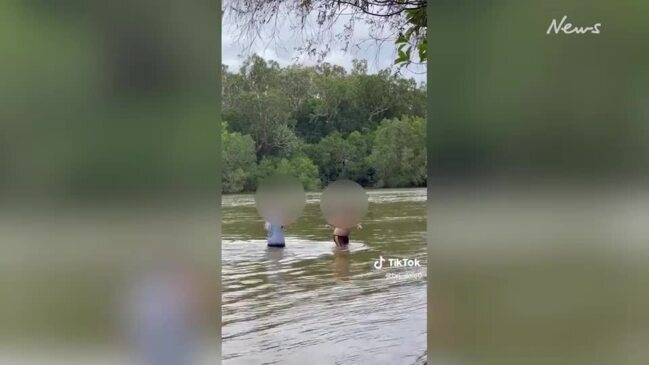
column 283, row 50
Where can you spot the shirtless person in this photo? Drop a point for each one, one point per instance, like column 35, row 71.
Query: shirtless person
column 342, row 222
column 341, row 235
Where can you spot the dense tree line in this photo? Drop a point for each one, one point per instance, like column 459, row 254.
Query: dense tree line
column 322, row 123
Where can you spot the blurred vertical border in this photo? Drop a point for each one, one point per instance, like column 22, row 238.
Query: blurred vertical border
column 109, row 173
column 537, row 183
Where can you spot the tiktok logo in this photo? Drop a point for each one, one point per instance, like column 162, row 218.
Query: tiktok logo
column 378, row 264
column 396, row 265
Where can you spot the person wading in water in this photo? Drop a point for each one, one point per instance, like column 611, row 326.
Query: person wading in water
column 275, row 235
column 340, row 233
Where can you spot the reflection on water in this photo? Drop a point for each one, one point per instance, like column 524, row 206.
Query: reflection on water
column 274, row 257
column 340, row 264
column 314, row 303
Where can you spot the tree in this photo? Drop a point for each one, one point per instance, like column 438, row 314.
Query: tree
column 238, row 160
column 330, row 155
column 300, row 167
column 358, row 167
column 267, row 118
column 321, row 123
column 342, row 158
column 399, row 152
column 413, row 37
column 314, row 101
column 402, row 21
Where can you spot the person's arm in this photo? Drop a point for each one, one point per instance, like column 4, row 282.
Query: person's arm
column 266, row 226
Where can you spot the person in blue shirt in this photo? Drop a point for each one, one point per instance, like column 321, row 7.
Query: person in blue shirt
column 275, row 235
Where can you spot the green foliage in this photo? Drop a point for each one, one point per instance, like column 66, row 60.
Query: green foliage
column 239, row 160
column 300, row 167
column 399, row 152
column 316, row 123
column 343, row 158
column 413, row 38
column 265, row 117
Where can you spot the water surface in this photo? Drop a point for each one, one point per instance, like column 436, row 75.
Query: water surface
column 312, row 303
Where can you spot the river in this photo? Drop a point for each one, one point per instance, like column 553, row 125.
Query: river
column 311, row 303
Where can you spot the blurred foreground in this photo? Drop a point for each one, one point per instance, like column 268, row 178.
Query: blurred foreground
column 92, row 284
column 538, row 171
column 109, row 182
column 538, row 276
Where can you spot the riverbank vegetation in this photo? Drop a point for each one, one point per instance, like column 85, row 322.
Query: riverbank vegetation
column 322, row 123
